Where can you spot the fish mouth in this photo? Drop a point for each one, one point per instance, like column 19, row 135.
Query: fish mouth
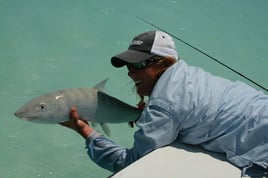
column 17, row 115
column 23, row 117
column 26, row 118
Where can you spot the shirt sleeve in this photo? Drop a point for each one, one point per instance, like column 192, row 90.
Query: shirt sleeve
column 107, row 154
column 157, row 129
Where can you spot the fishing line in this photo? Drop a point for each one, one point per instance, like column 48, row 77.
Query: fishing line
column 204, row 53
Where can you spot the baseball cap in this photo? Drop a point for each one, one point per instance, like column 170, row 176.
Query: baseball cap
column 145, row 46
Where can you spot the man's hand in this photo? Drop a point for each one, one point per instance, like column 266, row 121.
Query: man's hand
column 78, row 124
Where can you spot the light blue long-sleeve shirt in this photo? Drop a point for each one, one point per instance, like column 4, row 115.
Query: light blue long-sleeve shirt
column 194, row 107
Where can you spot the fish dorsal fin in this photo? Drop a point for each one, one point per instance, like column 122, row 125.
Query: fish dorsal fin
column 100, row 86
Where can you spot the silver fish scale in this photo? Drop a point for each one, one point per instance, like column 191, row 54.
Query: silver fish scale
column 84, row 99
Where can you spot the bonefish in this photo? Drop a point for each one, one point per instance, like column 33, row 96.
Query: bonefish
column 92, row 104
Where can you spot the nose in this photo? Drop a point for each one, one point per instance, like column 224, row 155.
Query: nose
column 131, row 74
column 131, row 70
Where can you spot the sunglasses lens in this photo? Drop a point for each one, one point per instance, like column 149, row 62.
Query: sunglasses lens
column 143, row 64
column 138, row 65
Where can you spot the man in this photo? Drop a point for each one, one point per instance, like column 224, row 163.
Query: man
column 185, row 104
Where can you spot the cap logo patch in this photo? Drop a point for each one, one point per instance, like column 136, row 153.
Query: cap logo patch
column 136, row 42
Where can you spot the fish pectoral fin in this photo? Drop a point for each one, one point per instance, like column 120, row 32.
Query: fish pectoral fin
column 106, row 129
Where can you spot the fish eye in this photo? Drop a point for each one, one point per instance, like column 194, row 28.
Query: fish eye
column 42, row 106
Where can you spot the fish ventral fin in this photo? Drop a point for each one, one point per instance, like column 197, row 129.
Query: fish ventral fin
column 106, row 129
column 100, row 86
column 104, row 126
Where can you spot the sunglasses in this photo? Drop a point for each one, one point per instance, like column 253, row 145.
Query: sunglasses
column 143, row 64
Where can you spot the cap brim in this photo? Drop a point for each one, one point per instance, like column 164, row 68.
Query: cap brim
column 129, row 56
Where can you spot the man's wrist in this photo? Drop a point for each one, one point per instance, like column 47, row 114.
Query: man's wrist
column 86, row 131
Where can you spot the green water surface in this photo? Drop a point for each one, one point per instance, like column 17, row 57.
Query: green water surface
column 47, row 45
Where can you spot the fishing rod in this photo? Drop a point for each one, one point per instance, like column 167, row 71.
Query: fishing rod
column 204, row 53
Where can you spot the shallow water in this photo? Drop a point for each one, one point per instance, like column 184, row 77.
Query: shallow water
column 49, row 45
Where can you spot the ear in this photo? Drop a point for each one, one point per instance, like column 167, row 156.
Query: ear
column 166, row 62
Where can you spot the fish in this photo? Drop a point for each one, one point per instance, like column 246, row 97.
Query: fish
column 92, row 104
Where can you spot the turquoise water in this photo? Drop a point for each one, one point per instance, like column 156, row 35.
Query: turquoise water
column 50, row 45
